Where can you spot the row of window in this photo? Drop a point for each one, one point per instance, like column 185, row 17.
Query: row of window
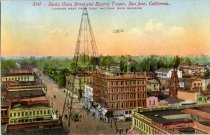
column 35, row 113
column 142, row 126
column 126, row 82
column 162, row 74
column 126, row 96
column 127, row 89
column 28, row 120
column 126, row 105
column 16, row 78
column 197, row 84
column 152, row 102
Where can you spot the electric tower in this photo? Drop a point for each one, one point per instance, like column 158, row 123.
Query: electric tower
column 85, row 52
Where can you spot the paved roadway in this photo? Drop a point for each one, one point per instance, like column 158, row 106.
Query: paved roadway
column 88, row 124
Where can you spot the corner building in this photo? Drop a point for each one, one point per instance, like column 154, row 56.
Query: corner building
column 120, row 93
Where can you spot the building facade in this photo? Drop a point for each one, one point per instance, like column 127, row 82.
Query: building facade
column 120, row 92
column 21, row 114
column 79, row 81
column 166, row 73
column 170, row 121
column 153, row 86
column 18, row 77
column 152, row 102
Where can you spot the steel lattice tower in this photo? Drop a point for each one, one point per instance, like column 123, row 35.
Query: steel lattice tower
column 86, row 46
column 87, row 50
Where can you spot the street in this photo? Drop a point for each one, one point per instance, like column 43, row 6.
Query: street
column 89, row 124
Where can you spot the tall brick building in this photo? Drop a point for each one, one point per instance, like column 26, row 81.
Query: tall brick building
column 120, row 92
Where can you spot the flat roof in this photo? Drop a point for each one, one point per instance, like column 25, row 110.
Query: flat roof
column 17, row 74
column 19, row 105
column 26, row 93
column 167, row 116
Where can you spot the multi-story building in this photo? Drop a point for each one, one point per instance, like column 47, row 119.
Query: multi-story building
column 26, row 86
column 4, row 112
column 88, row 96
column 120, row 92
column 153, row 86
column 169, row 121
column 21, row 71
column 35, row 112
column 80, row 80
column 194, row 69
column 22, row 77
column 24, row 102
column 166, row 73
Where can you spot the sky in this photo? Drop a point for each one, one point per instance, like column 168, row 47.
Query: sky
column 182, row 28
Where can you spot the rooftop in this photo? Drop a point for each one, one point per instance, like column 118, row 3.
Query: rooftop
column 162, row 70
column 21, row 94
column 152, row 81
column 17, row 74
column 24, row 105
column 167, row 116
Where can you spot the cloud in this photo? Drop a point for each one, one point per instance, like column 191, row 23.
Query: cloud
column 153, row 27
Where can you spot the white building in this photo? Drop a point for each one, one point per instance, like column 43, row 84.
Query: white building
column 88, row 99
column 166, row 73
column 89, row 92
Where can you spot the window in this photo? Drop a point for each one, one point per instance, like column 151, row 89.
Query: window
column 26, row 113
column 14, row 114
column 41, row 112
column 33, row 112
column 30, row 113
column 22, row 113
column 10, row 114
column 130, row 104
column 48, row 111
column 121, row 83
column 144, row 103
column 116, row 83
column 18, row 114
column 37, row 112
column 44, row 111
